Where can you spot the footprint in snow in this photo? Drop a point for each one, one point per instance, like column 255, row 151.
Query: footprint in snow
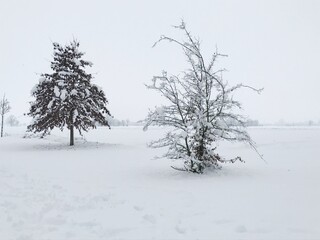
column 222, row 221
column 180, row 229
column 57, row 187
column 18, row 225
column 87, row 224
column 70, row 235
column 57, row 220
column 8, row 205
column 25, row 237
column 138, row 208
column 150, row 218
column 241, row 229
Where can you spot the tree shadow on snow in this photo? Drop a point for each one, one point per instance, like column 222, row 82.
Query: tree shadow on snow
column 60, row 143
column 231, row 172
column 78, row 146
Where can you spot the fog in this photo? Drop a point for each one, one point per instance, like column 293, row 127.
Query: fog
column 270, row 44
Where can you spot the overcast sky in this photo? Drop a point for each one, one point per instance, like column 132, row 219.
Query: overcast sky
column 273, row 44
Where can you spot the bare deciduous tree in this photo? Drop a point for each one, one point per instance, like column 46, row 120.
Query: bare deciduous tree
column 201, row 110
column 12, row 121
column 4, row 108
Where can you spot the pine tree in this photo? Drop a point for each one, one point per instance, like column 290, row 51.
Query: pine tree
column 66, row 97
column 200, row 110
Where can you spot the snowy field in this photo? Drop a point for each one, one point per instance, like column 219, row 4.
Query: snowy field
column 109, row 186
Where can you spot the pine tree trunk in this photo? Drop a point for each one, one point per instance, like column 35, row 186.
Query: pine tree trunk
column 71, row 136
column 71, row 130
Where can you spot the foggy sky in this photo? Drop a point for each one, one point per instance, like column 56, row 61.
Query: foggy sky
column 271, row 44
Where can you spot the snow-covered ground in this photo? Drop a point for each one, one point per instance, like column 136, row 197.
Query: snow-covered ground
column 109, row 186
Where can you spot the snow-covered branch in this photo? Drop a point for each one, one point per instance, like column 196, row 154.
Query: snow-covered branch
column 200, row 109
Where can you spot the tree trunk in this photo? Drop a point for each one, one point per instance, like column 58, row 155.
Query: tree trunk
column 71, row 130
column 2, row 115
column 71, row 136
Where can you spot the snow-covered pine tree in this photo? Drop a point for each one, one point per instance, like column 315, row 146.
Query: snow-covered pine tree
column 200, row 110
column 66, row 97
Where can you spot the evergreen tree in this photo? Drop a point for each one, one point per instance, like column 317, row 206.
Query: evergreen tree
column 67, row 97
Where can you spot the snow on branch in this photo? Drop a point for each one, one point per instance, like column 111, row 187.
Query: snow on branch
column 200, row 108
column 67, row 98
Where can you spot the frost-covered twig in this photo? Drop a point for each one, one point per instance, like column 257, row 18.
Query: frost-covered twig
column 200, row 108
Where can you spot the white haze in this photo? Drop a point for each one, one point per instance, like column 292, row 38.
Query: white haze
column 271, row 44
